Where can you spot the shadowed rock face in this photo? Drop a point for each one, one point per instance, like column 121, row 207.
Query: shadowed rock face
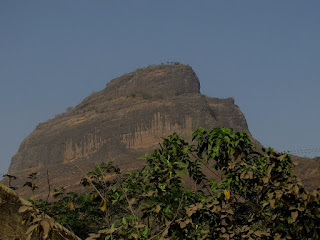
column 120, row 123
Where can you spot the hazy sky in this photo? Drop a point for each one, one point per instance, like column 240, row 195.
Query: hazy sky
column 266, row 54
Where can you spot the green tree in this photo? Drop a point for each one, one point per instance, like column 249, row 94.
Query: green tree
column 248, row 194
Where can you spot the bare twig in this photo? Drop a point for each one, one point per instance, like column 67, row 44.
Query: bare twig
column 95, row 188
column 129, row 204
column 169, row 224
column 201, row 160
column 89, row 180
column 49, row 186
column 9, row 236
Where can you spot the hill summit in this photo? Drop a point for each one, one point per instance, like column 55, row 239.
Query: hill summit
column 165, row 80
column 120, row 123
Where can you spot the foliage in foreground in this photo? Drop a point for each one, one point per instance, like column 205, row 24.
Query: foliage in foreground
column 246, row 195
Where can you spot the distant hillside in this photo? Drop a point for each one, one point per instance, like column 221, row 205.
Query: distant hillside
column 308, row 170
column 120, row 123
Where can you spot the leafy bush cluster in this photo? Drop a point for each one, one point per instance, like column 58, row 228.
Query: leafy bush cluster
column 317, row 158
column 143, row 95
column 253, row 194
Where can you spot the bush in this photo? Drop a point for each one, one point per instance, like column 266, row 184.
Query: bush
column 159, row 96
column 146, row 96
column 69, row 110
column 133, row 94
column 252, row 196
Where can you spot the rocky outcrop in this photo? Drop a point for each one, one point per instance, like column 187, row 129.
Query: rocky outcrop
column 120, row 123
column 164, row 80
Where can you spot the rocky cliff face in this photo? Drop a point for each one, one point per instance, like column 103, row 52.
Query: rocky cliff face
column 120, row 123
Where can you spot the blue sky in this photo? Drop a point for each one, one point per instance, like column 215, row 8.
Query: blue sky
column 266, row 54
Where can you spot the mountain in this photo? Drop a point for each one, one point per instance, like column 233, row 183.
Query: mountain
column 121, row 123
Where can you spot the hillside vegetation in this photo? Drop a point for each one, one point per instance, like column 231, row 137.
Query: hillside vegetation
column 254, row 194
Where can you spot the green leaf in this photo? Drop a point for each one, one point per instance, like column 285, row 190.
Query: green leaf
column 227, row 194
column 103, row 205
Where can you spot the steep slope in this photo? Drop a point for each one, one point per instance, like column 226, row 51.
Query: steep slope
column 120, row 123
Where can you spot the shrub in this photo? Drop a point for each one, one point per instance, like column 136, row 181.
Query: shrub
column 146, row 96
column 252, row 196
column 159, row 96
column 133, row 94
column 69, row 110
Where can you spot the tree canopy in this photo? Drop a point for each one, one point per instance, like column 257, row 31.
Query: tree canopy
column 237, row 192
